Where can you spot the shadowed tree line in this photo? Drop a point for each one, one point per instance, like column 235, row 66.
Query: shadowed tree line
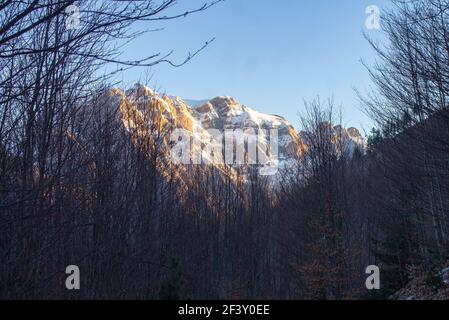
column 76, row 188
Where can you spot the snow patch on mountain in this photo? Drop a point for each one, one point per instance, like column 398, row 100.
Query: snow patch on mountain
column 195, row 103
column 226, row 113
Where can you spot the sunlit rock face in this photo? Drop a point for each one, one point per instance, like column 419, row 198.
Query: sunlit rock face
column 222, row 113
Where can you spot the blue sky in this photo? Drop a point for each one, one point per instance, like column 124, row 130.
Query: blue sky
column 269, row 55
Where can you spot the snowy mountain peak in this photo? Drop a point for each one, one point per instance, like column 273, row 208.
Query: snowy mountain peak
column 222, row 113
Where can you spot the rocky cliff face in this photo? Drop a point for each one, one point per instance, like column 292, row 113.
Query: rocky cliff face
column 140, row 107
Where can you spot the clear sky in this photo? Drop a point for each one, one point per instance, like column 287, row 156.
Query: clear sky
column 269, row 55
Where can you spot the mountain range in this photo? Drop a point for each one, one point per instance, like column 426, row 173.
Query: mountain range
column 140, row 106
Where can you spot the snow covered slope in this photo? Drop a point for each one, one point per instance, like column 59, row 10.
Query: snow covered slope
column 198, row 117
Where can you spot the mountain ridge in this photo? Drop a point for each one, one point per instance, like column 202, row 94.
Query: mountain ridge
column 199, row 117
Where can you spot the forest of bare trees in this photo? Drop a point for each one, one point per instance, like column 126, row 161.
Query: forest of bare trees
column 77, row 189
